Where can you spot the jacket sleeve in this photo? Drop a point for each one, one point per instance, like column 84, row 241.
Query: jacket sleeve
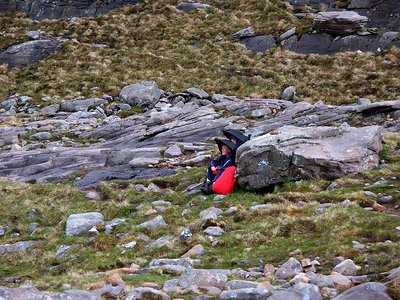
column 227, row 163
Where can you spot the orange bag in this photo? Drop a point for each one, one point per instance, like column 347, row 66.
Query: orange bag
column 226, row 182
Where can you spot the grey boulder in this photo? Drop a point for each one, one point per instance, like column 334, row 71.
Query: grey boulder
column 142, row 94
column 29, row 52
column 293, row 153
column 78, row 224
column 366, row 291
column 339, row 22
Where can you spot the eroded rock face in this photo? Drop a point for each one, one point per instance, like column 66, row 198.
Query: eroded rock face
column 58, row 9
column 294, row 153
column 29, row 52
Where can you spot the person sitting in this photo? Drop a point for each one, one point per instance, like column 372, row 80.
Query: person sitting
column 217, row 166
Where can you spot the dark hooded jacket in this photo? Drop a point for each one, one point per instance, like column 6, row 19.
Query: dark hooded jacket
column 223, row 161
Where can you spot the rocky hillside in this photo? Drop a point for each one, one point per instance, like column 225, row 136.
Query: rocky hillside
column 108, row 111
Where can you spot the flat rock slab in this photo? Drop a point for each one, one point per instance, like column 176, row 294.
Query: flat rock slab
column 245, row 294
column 29, row 52
column 125, row 172
column 260, row 43
column 366, row 291
column 339, row 22
column 60, row 9
column 16, row 247
column 28, row 292
column 293, row 153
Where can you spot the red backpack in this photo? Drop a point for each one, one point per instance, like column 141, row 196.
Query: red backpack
column 226, row 182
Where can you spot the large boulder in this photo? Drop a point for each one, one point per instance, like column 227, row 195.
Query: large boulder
column 29, row 52
column 81, row 104
column 142, row 94
column 293, row 153
column 366, row 291
column 339, row 22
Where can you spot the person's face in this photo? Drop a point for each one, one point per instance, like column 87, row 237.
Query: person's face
column 225, row 150
column 233, row 140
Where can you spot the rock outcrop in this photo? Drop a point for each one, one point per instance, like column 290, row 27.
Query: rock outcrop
column 29, row 52
column 58, row 9
column 300, row 153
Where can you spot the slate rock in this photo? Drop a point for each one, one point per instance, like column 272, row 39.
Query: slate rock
column 198, row 93
column 142, row 94
column 78, row 105
column 294, row 153
column 366, row 291
column 260, row 43
column 192, row 279
column 192, row 6
column 246, row 294
column 346, row 267
column 16, row 247
column 78, row 224
column 245, row 32
column 339, row 22
column 300, row 291
column 146, row 293
column 154, row 223
column 173, row 151
column 159, row 242
column 28, row 53
column 289, row 93
column 240, row 284
column 214, row 231
column 40, row 136
column 289, row 269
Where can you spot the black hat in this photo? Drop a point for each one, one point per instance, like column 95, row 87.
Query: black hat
column 236, row 134
column 228, row 143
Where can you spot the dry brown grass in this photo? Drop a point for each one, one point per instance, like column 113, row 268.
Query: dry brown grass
column 155, row 41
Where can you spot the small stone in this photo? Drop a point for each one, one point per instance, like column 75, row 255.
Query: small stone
column 129, row 245
column 332, row 186
column 152, row 187
column 150, row 212
column 323, row 207
column 289, row 93
column 378, row 207
column 198, row 93
column 369, row 194
column 295, row 252
column 173, row 151
column 93, row 195
column 288, row 34
column 219, row 197
column 33, row 215
column 154, row 223
column 397, row 229
column 93, row 231
column 346, row 267
column 97, row 285
column 269, row 269
column 140, row 188
column 230, row 211
column 41, row 136
column 259, row 207
column 115, row 279
column 305, row 262
column 358, row 245
column 214, row 231
column 363, row 101
column 185, row 235
column 197, row 250
column 245, row 32
column 2, row 230
column 152, row 285
column 289, row 269
column 385, row 199
column 345, row 202
column 32, row 227
column 186, row 212
column 122, row 271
